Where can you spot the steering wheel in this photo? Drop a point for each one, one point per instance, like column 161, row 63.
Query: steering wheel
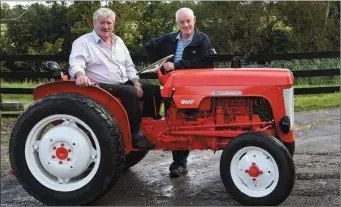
column 155, row 66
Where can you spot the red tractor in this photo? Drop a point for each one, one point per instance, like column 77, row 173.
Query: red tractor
column 71, row 145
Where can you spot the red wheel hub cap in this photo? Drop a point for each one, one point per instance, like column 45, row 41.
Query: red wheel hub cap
column 62, row 153
column 254, row 171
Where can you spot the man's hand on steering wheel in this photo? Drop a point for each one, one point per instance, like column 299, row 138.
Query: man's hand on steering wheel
column 156, row 65
column 168, row 66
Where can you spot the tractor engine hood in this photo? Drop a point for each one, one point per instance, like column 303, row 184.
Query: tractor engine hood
column 231, row 77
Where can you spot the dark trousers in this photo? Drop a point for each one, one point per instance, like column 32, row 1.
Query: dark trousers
column 151, row 98
column 128, row 95
column 130, row 101
column 179, row 158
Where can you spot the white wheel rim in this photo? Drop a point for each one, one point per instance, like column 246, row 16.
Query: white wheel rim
column 62, row 153
column 254, row 171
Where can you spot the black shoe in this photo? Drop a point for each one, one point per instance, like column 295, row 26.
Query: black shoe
column 177, row 172
column 140, row 142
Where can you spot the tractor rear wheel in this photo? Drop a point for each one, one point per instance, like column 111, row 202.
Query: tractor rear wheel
column 257, row 169
column 66, row 149
column 133, row 158
column 290, row 147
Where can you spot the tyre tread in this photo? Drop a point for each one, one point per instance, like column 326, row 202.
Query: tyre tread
column 226, row 157
column 116, row 144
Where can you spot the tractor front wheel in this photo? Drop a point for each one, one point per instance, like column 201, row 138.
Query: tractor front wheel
column 66, row 149
column 257, row 169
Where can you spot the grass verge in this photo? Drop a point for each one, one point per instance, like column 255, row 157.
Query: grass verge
column 302, row 102
column 317, row 101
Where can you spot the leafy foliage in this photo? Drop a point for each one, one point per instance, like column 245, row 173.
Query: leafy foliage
column 233, row 26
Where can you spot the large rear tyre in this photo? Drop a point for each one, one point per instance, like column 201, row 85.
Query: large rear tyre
column 66, row 149
column 257, row 169
column 133, row 158
column 290, row 147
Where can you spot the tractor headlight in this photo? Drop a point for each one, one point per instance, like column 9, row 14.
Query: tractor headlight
column 288, row 96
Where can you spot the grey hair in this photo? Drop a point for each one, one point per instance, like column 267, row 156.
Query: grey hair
column 184, row 9
column 104, row 12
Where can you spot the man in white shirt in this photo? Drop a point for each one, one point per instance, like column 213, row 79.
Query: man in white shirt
column 100, row 57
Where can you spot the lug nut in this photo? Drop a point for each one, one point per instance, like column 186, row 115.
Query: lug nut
column 62, row 145
column 246, row 171
column 253, row 179
column 260, row 172
column 69, row 150
column 54, row 148
column 253, row 163
column 53, row 156
column 60, row 162
column 68, row 159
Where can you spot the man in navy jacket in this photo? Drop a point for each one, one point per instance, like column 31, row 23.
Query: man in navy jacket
column 190, row 47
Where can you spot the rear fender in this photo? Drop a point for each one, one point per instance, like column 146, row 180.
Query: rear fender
column 96, row 93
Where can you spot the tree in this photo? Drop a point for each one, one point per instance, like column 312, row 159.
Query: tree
column 311, row 31
column 242, row 27
column 6, row 12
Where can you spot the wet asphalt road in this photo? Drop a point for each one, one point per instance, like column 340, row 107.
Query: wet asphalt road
column 317, row 162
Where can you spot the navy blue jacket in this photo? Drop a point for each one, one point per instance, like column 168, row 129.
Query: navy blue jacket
column 194, row 54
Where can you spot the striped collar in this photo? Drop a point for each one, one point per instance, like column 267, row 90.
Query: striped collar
column 188, row 40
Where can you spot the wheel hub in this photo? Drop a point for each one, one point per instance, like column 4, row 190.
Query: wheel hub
column 59, row 150
column 65, row 151
column 62, row 153
column 254, row 171
column 257, row 171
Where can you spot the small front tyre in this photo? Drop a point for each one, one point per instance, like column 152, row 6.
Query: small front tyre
column 257, row 169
